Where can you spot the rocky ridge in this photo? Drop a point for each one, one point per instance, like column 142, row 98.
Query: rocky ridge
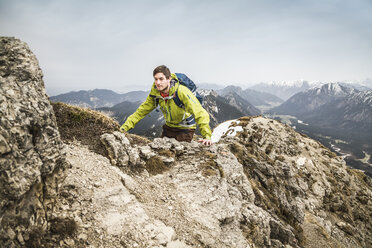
column 268, row 186
column 265, row 186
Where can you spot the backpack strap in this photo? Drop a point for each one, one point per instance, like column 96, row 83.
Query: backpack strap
column 188, row 83
column 156, row 102
column 177, row 100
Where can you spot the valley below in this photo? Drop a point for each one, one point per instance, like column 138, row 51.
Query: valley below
column 353, row 145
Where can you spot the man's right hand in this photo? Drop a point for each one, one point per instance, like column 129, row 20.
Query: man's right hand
column 206, row 142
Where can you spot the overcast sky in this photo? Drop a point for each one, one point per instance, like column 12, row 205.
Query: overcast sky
column 116, row 44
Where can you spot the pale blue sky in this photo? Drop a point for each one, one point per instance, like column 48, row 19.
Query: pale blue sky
column 116, row 44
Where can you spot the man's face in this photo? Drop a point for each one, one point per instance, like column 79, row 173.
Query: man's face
column 161, row 82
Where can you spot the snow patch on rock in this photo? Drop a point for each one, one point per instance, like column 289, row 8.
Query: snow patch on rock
column 225, row 128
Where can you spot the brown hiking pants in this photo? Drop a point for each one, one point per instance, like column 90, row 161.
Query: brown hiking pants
column 177, row 133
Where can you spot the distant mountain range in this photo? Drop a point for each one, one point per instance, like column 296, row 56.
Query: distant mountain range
column 260, row 100
column 263, row 95
column 357, row 86
column 98, row 98
column 311, row 99
column 283, row 90
column 286, row 89
column 241, row 104
column 209, row 86
column 331, row 105
column 364, row 85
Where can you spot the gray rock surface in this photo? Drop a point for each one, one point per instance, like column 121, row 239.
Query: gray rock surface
column 267, row 186
column 31, row 160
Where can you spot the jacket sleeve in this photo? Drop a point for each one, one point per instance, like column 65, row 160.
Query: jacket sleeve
column 146, row 107
column 193, row 106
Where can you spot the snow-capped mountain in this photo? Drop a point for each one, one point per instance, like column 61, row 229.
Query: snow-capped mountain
column 359, row 85
column 353, row 111
column 297, row 83
column 285, row 89
column 205, row 92
column 364, row 97
column 367, row 83
column 312, row 99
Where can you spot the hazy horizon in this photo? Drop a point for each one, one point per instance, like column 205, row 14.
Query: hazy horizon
column 83, row 45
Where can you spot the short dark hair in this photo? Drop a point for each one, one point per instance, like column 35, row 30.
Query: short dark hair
column 163, row 69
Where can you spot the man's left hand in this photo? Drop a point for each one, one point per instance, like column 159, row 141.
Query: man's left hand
column 206, row 142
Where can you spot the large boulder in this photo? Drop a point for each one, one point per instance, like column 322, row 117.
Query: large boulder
column 31, row 159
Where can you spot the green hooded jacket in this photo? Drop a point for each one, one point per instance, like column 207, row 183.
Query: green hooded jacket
column 184, row 118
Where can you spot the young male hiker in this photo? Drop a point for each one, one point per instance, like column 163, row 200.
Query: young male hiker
column 181, row 109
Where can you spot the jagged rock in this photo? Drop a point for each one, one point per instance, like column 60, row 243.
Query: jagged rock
column 31, row 152
column 279, row 232
column 298, row 180
column 117, row 146
column 165, row 144
column 146, row 152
